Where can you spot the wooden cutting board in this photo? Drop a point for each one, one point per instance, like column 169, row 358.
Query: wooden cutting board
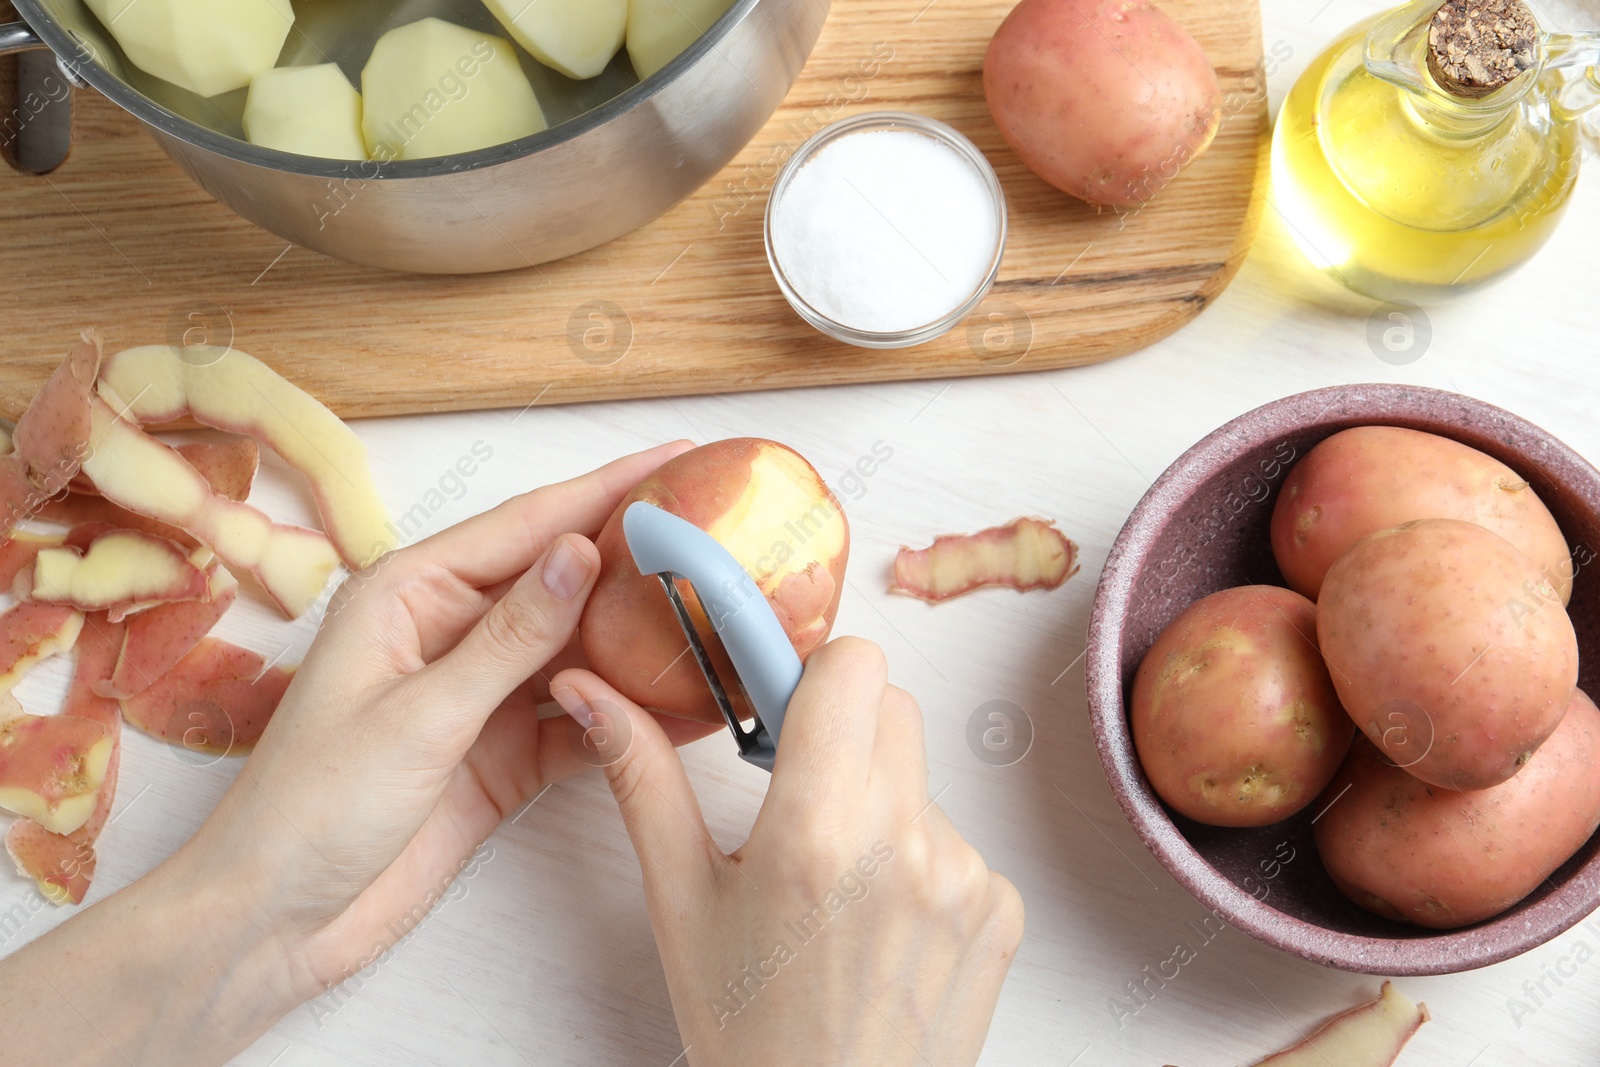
column 119, row 238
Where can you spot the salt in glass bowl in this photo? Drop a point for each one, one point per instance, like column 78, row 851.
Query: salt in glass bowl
column 871, row 122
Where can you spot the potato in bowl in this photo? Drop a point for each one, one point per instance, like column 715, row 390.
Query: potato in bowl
column 1205, row 525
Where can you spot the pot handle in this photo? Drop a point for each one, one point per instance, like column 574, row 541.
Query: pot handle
column 19, row 37
column 34, row 141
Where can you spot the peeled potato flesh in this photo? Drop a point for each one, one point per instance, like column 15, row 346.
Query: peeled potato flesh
column 432, row 88
column 576, row 37
column 312, row 111
column 199, row 45
column 659, row 29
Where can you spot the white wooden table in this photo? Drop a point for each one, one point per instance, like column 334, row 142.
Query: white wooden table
column 544, row 955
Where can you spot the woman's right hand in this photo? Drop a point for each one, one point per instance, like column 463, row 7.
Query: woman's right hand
column 855, row 926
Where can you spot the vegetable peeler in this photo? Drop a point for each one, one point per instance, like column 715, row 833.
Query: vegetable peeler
column 768, row 669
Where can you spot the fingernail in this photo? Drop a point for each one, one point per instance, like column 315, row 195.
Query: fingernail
column 573, row 704
column 566, row 571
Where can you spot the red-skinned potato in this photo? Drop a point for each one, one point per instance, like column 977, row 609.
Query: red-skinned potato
column 1443, row 859
column 1449, row 649
column 1234, row 717
column 1369, row 478
column 765, row 504
column 1104, row 99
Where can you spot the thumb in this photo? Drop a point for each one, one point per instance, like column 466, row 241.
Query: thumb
column 647, row 779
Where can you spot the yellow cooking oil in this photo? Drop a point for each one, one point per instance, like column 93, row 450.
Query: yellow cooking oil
column 1402, row 193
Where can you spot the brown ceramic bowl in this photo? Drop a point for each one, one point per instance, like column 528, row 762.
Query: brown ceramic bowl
column 1203, row 526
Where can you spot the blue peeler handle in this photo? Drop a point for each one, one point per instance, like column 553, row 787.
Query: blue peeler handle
column 768, row 668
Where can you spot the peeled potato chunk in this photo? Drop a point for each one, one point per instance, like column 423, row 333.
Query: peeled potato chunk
column 433, row 88
column 199, row 45
column 311, row 111
column 659, row 29
column 576, row 37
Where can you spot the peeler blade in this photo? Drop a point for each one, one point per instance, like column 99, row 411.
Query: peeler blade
column 767, row 668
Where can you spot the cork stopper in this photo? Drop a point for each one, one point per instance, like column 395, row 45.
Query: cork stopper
column 1478, row 46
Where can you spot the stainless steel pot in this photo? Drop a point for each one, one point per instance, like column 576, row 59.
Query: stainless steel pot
column 599, row 172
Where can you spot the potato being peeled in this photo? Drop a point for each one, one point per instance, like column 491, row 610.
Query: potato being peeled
column 432, row 88
column 1449, row 649
column 1234, row 717
column 768, row 507
column 1369, row 478
column 1104, row 99
column 1441, row 858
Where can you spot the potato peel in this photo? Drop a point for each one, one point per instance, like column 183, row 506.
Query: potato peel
column 217, row 698
column 79, row 458
column 238, row 393
column 52, row 436
column 1025, row 554
column 18, row 552
column 157, row 639
column 63, row 865
column 117, row 571
column 1370, row 1035
column 229, row 466
column 52, row 767
column 31, row 632
column 143, row 474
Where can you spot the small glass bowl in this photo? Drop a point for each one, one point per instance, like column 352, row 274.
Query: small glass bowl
column 887, row 120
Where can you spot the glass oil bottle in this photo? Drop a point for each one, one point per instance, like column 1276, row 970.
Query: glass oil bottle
column 1402, row 181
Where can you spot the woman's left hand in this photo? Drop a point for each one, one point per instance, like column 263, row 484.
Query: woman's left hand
column 411, row 730
column 408, row 734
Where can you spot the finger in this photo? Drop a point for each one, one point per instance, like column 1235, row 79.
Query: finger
column 519, row 634
column 446, row 610
column 826, row 749
column 519, row 753
column 566, row 748
column 505, row 540
column 652, row 790
column 899, row 758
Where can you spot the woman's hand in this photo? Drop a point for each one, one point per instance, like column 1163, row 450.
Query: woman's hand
column 855, row 926
column 411, row 731
column 408, row 734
